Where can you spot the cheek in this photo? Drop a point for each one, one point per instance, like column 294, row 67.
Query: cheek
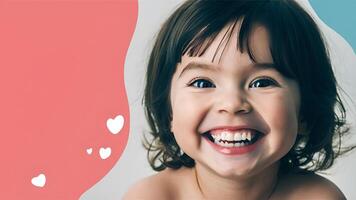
column 187, row 115
column 185, row 112
column 281, row 116
column 285, row 119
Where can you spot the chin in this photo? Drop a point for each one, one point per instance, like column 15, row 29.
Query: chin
column 233, row 172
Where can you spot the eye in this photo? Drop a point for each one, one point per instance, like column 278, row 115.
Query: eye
column 263, row 82
column 201, row 83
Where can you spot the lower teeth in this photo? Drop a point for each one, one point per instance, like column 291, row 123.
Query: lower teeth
column 237, row 144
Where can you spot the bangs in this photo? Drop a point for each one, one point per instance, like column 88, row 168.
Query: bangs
column 280, row 21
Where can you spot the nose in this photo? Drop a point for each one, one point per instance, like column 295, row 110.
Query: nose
column 233, row 102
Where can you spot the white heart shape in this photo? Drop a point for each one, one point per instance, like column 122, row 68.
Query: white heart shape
column 89, row 151
column 39, row 181
column 104, row 152
column 115, row 125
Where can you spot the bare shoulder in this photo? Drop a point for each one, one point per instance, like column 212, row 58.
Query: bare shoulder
column 152, row 187
column 160, row 186
column 310, row 186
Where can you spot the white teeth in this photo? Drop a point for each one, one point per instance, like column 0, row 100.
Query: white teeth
column 243, row 136
column 223, row 136
column 248, row 136
column 229, row 137
column 237, row 136
column 232, row 139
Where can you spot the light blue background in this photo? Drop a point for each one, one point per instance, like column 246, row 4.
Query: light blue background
column 340, row 16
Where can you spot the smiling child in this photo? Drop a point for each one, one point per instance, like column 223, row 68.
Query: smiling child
column 241, row 100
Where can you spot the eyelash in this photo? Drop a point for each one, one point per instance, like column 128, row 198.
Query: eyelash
column 270, row 80
column 196, row 80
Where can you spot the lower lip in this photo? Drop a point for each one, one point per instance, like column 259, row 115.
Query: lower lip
column 234, row 150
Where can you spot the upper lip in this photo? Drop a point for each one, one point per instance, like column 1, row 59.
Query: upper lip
column 233, row 128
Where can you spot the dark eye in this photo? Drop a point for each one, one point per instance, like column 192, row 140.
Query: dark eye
column 263, row 82
column 202, row 83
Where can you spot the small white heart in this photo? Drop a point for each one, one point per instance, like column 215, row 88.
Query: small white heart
column 89, row 151
column 115, row 125
column 39, row 181
column 104, row 152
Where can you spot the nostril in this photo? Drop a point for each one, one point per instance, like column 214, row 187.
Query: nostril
column 235, row 107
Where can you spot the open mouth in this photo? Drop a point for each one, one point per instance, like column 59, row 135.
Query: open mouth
column 234, row 139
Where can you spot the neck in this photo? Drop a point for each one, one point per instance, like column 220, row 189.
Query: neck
column 256, row 187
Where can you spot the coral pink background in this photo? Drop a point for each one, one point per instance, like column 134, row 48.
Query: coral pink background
column 61, row 79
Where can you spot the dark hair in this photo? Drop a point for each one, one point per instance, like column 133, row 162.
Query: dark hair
column 298, row 52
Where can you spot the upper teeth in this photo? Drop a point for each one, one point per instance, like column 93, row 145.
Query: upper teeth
column 233, row 136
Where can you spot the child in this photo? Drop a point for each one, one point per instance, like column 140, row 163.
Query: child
column 240, row 98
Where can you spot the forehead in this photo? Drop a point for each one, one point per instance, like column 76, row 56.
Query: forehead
column 226, row 44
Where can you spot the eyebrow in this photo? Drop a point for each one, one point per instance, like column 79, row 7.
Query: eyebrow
column 197, row 65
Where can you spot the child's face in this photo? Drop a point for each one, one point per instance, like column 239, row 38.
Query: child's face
column 229, row 93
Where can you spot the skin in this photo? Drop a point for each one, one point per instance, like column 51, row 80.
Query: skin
column 225, row 92
column 181, row 185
